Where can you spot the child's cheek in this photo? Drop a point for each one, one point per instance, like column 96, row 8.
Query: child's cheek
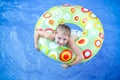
column 65, row 42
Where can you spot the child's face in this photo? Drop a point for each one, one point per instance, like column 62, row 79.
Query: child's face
column 61, row 39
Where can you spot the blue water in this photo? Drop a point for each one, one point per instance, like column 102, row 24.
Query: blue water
column 19, row 60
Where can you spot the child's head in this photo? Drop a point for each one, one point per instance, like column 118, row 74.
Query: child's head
column 62, row 34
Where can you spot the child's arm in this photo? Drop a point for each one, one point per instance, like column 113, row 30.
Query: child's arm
column 77, row 51
column 43, row 34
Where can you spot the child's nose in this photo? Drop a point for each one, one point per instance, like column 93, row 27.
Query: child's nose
column 61, row 41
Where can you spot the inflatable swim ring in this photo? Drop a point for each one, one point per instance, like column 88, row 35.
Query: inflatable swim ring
column 90, row 41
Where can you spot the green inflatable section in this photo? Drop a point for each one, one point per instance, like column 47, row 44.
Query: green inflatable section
column 90, row 41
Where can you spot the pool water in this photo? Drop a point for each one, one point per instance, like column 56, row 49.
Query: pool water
column 19, row 60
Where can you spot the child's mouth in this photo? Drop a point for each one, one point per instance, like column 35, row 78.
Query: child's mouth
column 59, row 44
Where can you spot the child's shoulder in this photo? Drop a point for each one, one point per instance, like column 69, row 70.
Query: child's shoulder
column 71, row 38
column 51, row 36
column 70, row 41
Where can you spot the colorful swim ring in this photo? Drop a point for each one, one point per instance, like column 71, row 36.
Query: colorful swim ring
column 90, row 41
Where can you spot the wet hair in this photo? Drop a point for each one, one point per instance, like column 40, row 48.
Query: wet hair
column 66, row 29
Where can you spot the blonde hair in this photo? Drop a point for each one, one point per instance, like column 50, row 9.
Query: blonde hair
column 66, row 29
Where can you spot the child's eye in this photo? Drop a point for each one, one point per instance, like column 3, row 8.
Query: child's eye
column 64, row 39
column 59, row 38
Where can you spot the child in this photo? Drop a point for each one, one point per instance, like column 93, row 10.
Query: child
column 62, row 36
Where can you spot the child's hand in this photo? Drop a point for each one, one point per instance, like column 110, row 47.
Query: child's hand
column 36, row 46
column 65, row 66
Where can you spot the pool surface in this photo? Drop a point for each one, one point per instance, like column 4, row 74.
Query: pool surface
column 19, row 60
